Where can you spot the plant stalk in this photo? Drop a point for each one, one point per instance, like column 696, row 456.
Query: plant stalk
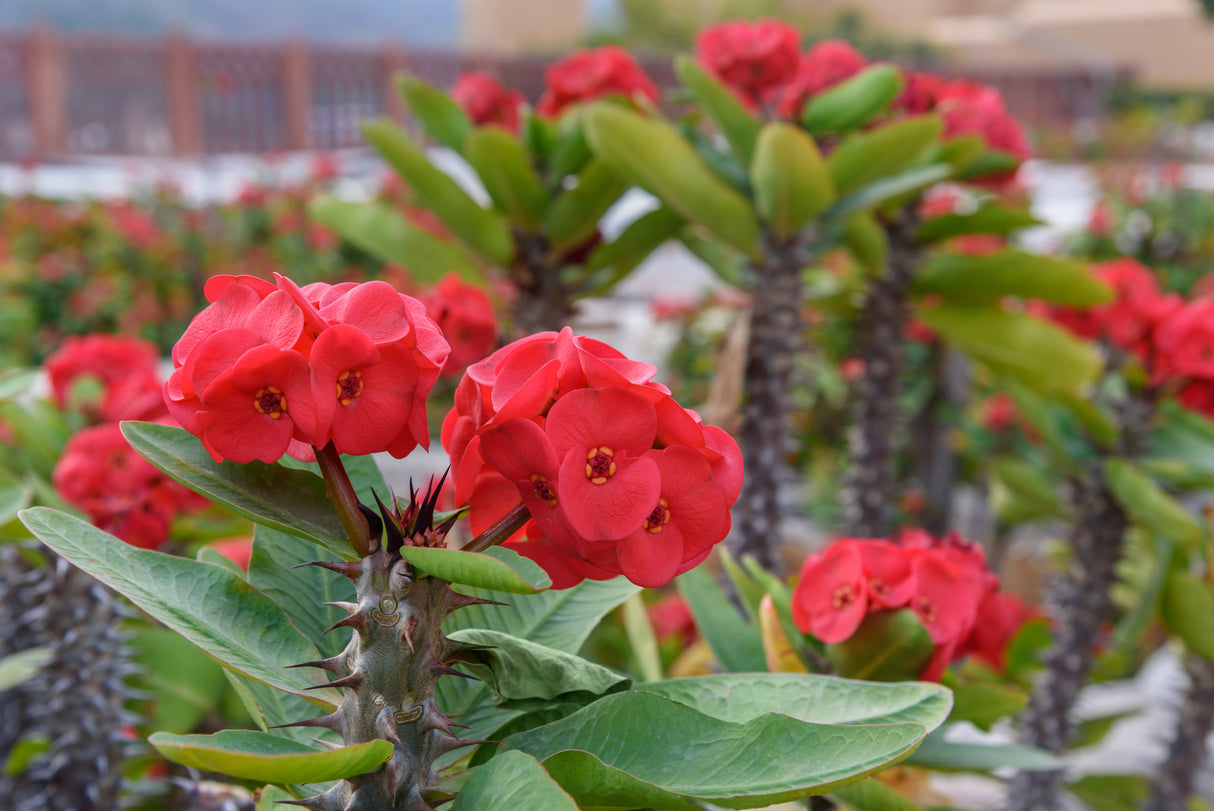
column 1187, row 753
column 341, row 492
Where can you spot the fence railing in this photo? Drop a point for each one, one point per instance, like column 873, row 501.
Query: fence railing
column 64, row 95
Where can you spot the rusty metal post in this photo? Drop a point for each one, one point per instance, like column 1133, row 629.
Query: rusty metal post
column 297, row 89
column 47, row 90
column 183, row 96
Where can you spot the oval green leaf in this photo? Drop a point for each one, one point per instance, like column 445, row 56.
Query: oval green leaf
column 854, row 102
column 888, row 646
column 440, row 116
column 482, row 230
column 1150, row 507
column 991, row 217
column 867, row 242
column 791, row 182
column 888, row 150
column 251, row 755
column 387, row 234
column 575, row 213
column 292, row 501
column 942, row 755
column 18, row 668
column 512, row 780
column 984, row 704
column 651, row 154
column 498, row 569
column 1031, row 350
column 639, row 750
column 1186, row 609
column 210, row 606
column 985, row 278
column 508, row 176
column 740, row 128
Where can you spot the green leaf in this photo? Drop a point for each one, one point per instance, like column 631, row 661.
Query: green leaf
column 854, row 102
column 611, row 262
column 1150, row 507
column 984, row 704
column 387, row 234
column 652, row 155
column 1092, row 731
column 537, row 135
column 642, row 640
column 251, row 755
column 637, row 749
column 569, row 148
column 207, row 554
column 867, row 242
column 440, row 116
column 484, row 231
column 991, row 217
column 1020, row 491
column 13, row 499
column 740, row 128
column 984, row 278
column 18, row 668
column 208, row 605
column 988, row 163
column 292, row 501
column 942, row 755
column 1112, row 792
column 508, row 176
column 512, row 780
column 735, row 642
column 729, row 265
column 961, row 151
column 1182, row 447
column 276, row 569
column 575, row 213
column 560, row 619
column 871, row 795
column 524, row 675
column 742, row 697
column 16, row 382
column 882, row 152
column 1187, row 607
column 888, row 646
column 498, row 569
column 749, row 588
column 25, row 752
column 1033, row 351
column 791, row 182
column 187, row 684
column 884, row 189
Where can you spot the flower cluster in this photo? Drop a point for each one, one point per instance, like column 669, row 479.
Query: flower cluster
column 487, row 102
column 465, row 315
column 944, row 581
column 762, row 63
column 269, row 369
column 591, row 74
column 107, row 378
column 617, row 476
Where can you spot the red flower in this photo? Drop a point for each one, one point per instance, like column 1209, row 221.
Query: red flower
column 753, row 59
column 119, row 490
column 125, row 367
column 971, row 108
column 825, row 65
column 672, row 617
column 486, row 101
column 831, row 598
column 1184, row 341
column 920, row 93
column 466, row 317
column 237, row 550
column 1000, row 617
column 618, row 478
column 591, row 74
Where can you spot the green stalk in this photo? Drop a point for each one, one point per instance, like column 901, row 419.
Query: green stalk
column 341, row 492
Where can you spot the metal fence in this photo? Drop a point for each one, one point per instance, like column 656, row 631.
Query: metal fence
column 67, row 95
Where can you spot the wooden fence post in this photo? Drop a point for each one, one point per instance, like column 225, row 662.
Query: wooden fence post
column 47, row 93
column 298, row 93
column 184, row 96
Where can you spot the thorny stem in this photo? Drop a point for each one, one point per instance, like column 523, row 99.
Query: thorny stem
column 337, row 484
column 766, row 432
column 1187, row 753
column 543, row 297
column 1080, row 603
column 871, row 483
column 502, row 529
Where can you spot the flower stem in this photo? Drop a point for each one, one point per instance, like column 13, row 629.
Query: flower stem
column 505, row 526
column 341, row 492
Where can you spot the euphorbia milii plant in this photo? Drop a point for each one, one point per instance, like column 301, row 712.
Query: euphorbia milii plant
column 563, row 449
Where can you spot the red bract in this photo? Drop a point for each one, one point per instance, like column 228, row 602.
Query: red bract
column 970, row 108
column 486, row 101
column 1184, row 342
column 1000, row 618
column 466, row 317
column 592, row 74
column 753, row 59
column 943, row 580
column 119, row 490
column 618, row 477
column 267, row 370
column 124, row 367
column 825, row 65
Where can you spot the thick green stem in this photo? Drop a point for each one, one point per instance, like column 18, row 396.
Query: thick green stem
column 502, row 529
column 337, row 483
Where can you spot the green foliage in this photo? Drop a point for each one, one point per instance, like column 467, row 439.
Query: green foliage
column 498, row 569
column 791, row 181
column 260, row 756
column 512, row 780
column 1010, row 272
column 888, row 646
column 740, row 128
column 853, row 103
